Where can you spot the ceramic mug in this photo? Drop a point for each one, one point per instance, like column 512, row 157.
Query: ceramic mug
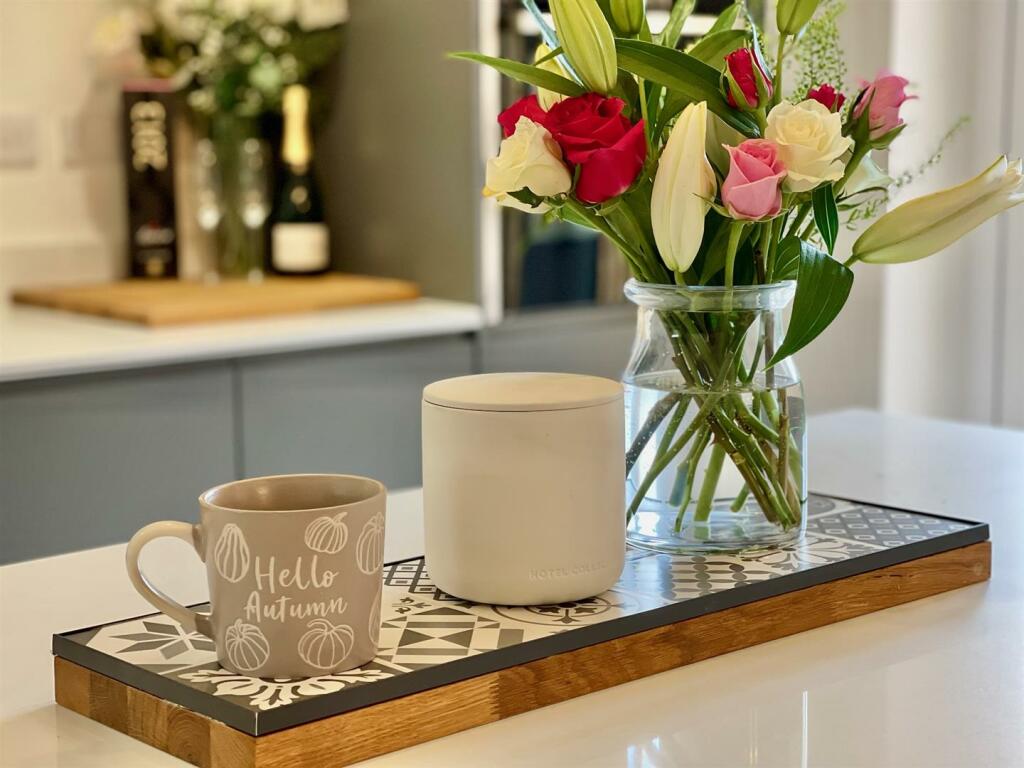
column 294, row 567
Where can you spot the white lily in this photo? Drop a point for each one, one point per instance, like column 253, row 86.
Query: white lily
column 683, row 187
column 547, row 99
column 867, row 176
column 921, row 227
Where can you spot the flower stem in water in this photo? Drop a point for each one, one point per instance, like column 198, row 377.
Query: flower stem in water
column 707, row 489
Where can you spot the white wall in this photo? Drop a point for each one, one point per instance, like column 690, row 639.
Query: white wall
column 948, row 339
column 61, row 196
column 1008, row 408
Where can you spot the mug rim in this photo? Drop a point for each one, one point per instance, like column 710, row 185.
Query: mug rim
column 379, row 490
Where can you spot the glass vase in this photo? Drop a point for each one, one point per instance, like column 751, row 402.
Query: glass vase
column 716, row 438
column 242, row 162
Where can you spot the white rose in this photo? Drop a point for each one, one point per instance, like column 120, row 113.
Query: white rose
column 317, row 14
column 528, row 159
column 810, row 141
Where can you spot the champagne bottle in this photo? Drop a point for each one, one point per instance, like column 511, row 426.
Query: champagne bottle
column 299, row 242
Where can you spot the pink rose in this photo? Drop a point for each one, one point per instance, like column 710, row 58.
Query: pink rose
column 752, row 188
column 882, row 100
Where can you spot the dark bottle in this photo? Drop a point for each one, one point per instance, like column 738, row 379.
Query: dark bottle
column 152, row 228
column 299, row 242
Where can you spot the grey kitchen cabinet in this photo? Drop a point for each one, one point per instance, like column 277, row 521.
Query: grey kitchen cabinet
column 354, row 410
column 87, row 460
column 591, row 340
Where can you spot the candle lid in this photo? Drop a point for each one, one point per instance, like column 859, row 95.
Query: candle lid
column 522, row 392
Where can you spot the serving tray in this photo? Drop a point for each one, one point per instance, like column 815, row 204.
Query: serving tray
column 446, row 665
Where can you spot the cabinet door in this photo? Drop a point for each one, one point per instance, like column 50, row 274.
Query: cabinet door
column 86, row 461
column 594, row 341
column 352, row 411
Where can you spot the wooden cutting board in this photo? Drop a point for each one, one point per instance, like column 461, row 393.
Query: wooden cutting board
column 176, row 302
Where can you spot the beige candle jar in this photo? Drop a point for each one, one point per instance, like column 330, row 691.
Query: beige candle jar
column 522, row 486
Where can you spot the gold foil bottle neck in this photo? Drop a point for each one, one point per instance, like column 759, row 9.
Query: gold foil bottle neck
column 296, row 146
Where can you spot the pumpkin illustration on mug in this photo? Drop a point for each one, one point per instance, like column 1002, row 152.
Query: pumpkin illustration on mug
column 246, row 646
column 231, row 554
column 326, row 646
column 327, row 534
column 373, row 623
column 370, row 545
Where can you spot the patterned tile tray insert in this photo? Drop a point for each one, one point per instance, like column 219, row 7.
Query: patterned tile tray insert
column 429, row 638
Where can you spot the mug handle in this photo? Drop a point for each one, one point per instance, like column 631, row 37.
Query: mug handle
column 191, row 620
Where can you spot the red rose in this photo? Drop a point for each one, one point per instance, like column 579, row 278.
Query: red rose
column 745, row 81
column 595, row 135
column 528, row 106
column 827, row 95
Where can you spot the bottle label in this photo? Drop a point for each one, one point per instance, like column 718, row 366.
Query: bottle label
column 300, row 247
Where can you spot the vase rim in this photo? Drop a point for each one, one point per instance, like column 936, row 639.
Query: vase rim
column 710, row 298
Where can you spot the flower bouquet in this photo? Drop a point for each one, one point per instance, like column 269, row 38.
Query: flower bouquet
column 233, row 60
column 725, row 194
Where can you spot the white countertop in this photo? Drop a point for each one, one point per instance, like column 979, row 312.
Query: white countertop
column 937, row 682
column 39, row 343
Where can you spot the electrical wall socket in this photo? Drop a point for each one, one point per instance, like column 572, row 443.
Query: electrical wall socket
column 89, row 138
column 19, row 140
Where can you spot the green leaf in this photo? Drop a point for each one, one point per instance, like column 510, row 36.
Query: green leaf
column 787, row 259
column 714, row 258
column 714, row 47
column 687, row 76
column 527, row 197
column 674, row 104
column 525, row 73
column 676, row 21
column 551, row 54
column 725, row 19
column 826, row 217
column 823, row 285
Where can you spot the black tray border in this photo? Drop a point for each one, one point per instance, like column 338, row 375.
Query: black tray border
column 348, row 699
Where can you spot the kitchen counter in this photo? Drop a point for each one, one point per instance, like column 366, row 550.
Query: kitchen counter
column 41, row 343
column 937, row 682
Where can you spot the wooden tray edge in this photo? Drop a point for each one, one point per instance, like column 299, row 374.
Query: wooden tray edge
column 376, row 730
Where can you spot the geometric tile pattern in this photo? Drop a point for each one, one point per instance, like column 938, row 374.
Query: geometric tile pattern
column 881, row 527
column 423, row 627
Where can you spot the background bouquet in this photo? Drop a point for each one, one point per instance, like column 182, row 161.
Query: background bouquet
column 230, row 56
column 725, row 194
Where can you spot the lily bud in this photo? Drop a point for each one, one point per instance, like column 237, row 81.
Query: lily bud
column 546, row 98
column 792, row 15
column 627, row 16
column 588, row 42
column 745, row 80
column 924, row 226
column 684, row 186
